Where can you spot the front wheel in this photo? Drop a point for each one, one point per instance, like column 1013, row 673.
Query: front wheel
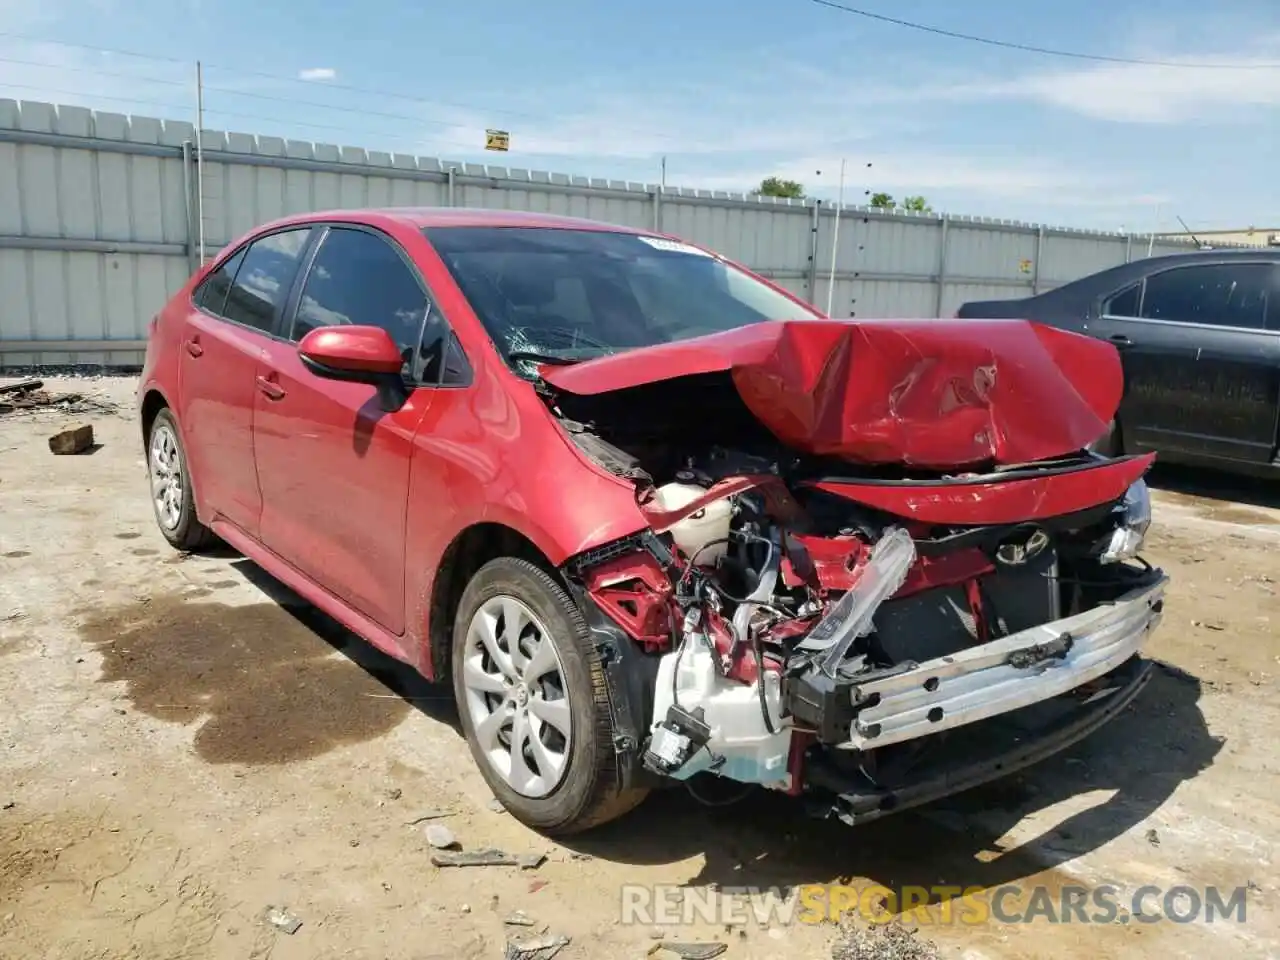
column 533, row 701
column 172, row 501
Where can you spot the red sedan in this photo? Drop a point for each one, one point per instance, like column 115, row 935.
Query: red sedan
column 657, row 518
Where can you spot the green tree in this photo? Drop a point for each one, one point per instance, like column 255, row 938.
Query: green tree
column 917, row 204
column 777, row 187
column 882, row 201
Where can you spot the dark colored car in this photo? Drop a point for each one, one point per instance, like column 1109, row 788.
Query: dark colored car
column 1199, row 340
column 655, row 517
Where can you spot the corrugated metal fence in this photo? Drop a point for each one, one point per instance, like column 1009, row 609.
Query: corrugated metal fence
column 99, row 225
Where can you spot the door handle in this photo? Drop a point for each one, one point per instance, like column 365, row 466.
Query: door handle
column 1120, row 340
column 194, row 348
column 271, row 389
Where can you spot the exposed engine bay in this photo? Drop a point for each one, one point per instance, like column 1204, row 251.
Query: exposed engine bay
column 840, row 629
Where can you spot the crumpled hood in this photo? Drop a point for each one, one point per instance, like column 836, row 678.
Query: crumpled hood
column 926, row 393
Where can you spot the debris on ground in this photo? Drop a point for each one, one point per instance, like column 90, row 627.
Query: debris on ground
column 22, row 386
column 430, row 815
column 37, row 399
column 536, row 948
column 519, row 919
column 1153, row 837
column 282, row 919
column 691, row 951
column 72, row 440
column 532, row 861
column 474, row 858
column 890, row 941
column 440, row 836
column 496, row 806
column 1209, row 625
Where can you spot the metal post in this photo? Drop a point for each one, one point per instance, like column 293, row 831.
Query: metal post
column 188, row 185
column 1035, row 264
column 200, row 158
column 657, row 197
column 813, row 253
column 835, row 243
column 451, row 188
column 1128, row 248
column 942, row 267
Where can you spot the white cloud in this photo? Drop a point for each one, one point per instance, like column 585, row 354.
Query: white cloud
column 1143, row 93
column 318, row 73
column 34, row 70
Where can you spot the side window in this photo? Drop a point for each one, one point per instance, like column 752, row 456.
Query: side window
column 212, row 294
column 1125, row 303
column 457, row 371
column 1228, row 295
column 262, row 284
column 431, row 348
column 358, row 278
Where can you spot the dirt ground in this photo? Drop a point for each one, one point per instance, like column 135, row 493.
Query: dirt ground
column 183, row 744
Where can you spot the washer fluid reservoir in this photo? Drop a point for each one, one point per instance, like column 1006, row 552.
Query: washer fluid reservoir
column 702, row 534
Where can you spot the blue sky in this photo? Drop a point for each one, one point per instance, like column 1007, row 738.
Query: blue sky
column 729, row 91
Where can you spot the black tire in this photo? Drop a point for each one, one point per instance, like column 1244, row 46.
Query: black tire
column 588, row 795
column 188, row 533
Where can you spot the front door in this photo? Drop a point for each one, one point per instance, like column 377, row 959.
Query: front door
column 1202, row 370
column 332, row 463
column 225, row 339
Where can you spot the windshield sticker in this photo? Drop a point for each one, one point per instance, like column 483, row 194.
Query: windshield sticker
column 673, row 246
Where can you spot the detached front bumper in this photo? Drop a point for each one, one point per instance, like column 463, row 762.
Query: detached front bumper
column 1003, row 675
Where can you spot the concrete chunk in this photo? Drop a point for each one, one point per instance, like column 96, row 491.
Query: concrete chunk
column 72, row 441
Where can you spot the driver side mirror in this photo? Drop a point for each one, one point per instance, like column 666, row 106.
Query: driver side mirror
column 357, row 354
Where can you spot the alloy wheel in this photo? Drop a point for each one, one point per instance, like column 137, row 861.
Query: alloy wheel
column 515, row 696
column 165, row 465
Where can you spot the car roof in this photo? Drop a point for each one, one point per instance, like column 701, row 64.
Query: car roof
column 1074, row 294
column 1209, row 256
column 422, row 217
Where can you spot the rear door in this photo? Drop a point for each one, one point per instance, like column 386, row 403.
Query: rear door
column 1202, row 369
column 227, row 332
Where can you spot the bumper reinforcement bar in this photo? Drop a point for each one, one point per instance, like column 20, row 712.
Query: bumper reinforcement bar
column 1006, row 674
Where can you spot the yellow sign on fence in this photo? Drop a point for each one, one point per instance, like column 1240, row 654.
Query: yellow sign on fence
column 497, row 140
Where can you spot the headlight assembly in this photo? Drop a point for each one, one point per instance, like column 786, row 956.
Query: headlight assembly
column 1134, row 518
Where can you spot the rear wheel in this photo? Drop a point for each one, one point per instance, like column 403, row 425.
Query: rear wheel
column 533, row 702
column 171, row 498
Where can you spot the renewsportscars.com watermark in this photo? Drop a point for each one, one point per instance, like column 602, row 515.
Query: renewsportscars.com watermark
column 941, row 904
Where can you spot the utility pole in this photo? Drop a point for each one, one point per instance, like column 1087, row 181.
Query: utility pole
column 200, row 155
column 1152, row 242
column 835, row 242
